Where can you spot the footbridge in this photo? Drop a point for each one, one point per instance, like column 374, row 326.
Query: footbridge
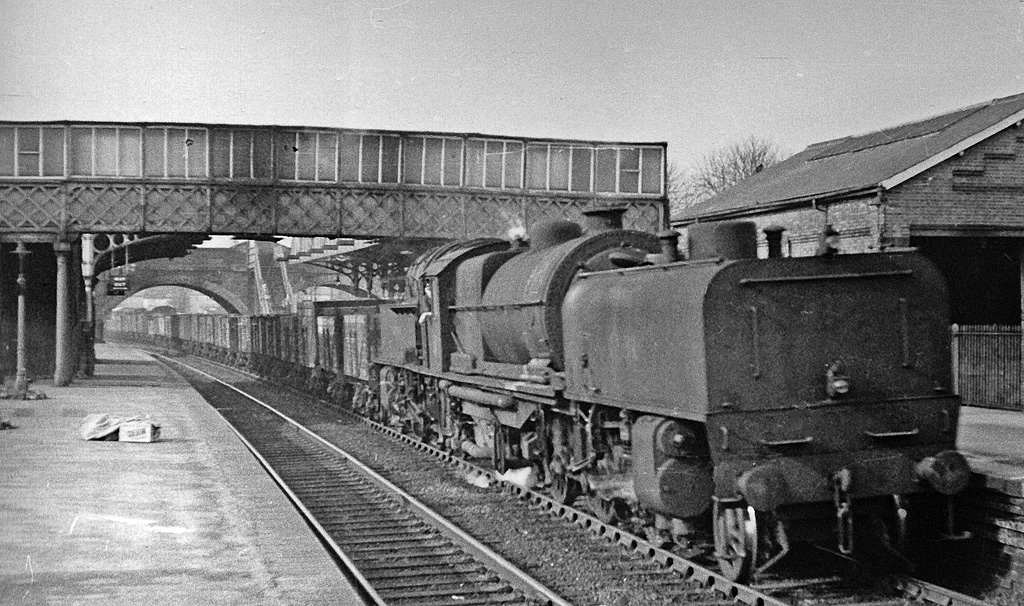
column 164, row 187
column 68, row 178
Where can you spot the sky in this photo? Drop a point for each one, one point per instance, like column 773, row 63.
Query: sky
column 696, row 74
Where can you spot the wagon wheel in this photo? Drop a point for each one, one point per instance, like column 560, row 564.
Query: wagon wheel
column 735, row 540
column 564, row 488
column 498, row 458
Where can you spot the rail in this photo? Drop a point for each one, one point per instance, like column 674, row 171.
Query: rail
column 339, row 546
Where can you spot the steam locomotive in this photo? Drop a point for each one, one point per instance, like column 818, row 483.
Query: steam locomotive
column 766, row 401
column 758, row 402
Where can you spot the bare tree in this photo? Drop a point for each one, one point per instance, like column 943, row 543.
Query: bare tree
column 720, row 169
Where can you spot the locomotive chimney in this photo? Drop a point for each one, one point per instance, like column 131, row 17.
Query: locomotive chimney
column 602, row 217
column 669, row 240
column 773, row 234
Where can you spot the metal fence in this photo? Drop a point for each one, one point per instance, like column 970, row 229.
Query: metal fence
column 987, row 365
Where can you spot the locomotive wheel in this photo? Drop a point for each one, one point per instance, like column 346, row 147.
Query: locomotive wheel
column 735, row 540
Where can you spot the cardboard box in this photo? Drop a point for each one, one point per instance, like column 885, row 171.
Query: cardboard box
column 138, row 431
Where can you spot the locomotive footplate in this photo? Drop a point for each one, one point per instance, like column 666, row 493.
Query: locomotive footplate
column 768, row 484
column 787, row 456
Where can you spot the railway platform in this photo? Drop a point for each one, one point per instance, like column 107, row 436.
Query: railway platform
column 993, row 441
column 189, row 519
column 992, row 508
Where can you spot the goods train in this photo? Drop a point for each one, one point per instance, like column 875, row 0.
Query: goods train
column 757, row 401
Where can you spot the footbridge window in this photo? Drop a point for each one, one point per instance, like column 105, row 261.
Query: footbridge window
column 30, row 151
column 308, row 156
column 370, row 158
column 176, row 152
column 105, row 151
column 494, row 164
column 622, row 170
column 628, row 170
column 241, row 154
column 433, row 161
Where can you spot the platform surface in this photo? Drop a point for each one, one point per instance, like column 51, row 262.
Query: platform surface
column 993, row 442
column 191, row 519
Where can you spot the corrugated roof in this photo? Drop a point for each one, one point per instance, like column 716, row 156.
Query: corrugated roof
column 856, row 163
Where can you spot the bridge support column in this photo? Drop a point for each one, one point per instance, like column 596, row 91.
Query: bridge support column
column 21, row 390
column 64, row 363
column 21, row 371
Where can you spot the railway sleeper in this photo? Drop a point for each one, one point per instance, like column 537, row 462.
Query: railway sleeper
column 484, row 589
column 398, row 566
column 454, row 581
column 385, row 541
column 421, row 551
column 393, row 528
column 432, row 568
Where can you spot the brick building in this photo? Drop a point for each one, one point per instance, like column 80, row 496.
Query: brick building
column 951, row 185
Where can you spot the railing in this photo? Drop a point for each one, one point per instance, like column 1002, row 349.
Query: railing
column 987, row 365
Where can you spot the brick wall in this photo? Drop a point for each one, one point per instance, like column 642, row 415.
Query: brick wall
column 980, row 192
column 856, row 221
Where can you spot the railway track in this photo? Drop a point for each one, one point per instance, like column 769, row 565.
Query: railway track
column 397, row 550
column 635, row 571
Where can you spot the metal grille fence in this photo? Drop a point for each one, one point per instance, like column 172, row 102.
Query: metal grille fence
column 987, row 365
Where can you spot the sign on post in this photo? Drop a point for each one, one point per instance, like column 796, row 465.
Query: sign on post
column 117, row 286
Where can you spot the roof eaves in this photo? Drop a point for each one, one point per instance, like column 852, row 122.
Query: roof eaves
column 949, row 152
column 749, row 211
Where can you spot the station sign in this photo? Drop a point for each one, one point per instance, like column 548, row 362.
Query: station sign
column 117, row 286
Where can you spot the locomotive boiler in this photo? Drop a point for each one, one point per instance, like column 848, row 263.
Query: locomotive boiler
column 782, row 399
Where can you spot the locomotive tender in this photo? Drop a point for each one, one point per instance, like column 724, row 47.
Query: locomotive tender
column 764, row 400
column 786, row 398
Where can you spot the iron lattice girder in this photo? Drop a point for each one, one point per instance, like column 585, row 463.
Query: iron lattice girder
column 141, row 249
column 293, row 210
column 380, row 263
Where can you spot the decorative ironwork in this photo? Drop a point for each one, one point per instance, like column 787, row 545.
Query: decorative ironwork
column 105, row 207
column 243, row 210
column 430, row 214
column 542, row 209
column 308, row 210
column 371, row 212
column 178, row 207
column 493, row 215
column 31, row 207
column 245, row 181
